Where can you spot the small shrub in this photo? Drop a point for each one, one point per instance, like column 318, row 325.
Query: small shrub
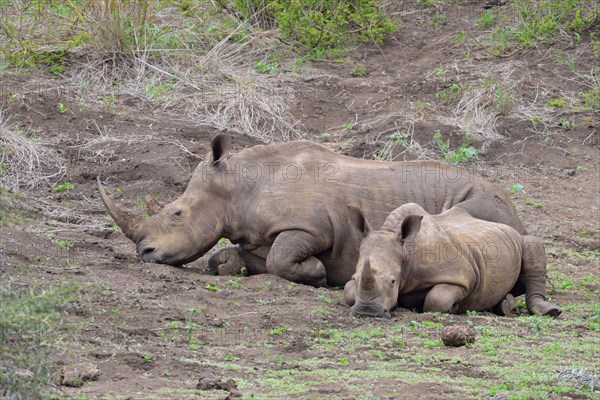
column 591, row 98
column 461, row 155
column 558, row 103
column 360, row 70
column 322, row 26
column 487, row 20
column 543, row 21
column 450, row 93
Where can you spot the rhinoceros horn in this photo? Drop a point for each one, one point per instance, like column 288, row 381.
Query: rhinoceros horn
column 367, row 280
column 128, row 222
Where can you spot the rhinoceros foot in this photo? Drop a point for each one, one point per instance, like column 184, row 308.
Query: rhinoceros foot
column 227, row 262
column 544, row 308
column 507, row 307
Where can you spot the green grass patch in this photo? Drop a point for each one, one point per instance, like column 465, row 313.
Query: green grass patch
column 32, row 328
column 541, row 22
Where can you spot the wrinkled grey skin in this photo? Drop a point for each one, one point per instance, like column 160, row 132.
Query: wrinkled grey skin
column 286, row 206
column 450, row 262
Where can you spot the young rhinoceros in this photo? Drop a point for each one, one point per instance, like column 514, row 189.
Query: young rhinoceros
column 449, row 262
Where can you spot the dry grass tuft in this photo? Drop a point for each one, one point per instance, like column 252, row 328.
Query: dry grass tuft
column 217, row 87
column 580, row 378
column 26, row 162
column 478, row 111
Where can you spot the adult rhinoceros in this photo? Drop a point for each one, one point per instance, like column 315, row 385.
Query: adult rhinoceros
column 449, row 262
column 286, row 205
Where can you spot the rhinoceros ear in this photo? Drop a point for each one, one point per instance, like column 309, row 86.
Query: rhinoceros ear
column 357, row 220
column 409, row 228
column 220, row 148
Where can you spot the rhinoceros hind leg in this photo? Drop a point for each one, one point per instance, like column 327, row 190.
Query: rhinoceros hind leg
column 507, row 307
column 533, row 275
column 444, row 298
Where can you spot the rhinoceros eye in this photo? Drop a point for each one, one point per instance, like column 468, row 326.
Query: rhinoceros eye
column 392, row 281
column 175, row 216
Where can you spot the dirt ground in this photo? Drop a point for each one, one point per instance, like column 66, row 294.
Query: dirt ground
column 154, row 331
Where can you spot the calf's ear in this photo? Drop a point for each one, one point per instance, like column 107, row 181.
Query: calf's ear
column 220, row 148
column 357, row 220
column 409, row 228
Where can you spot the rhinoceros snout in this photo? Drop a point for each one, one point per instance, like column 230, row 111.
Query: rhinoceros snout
column 370, row 310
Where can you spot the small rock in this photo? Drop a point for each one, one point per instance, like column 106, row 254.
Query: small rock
column 208, row 383
column 568, row 171
column 212, row 383
column 76, row 375
column 457, row 335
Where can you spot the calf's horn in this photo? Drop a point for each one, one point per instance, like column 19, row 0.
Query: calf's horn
column 127, row 221
column 367, row 280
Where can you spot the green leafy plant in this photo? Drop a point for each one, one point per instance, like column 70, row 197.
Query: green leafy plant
column 537, row 120
column 517, row 187
column 558, row 103
column 326, row 136
column 212, row 288
column 61, row 108
column 360, row 70
column 428, row 3
column 63, row 187
column 64, row 244
column 463, row 154
column 450, row 93
column 382, row 154
column 566, row 124
column 487, row 20
column 542, row 21
column 280, row 330
column 439, row 19
column 401, row 138
column 266, row 67
column 323, row 27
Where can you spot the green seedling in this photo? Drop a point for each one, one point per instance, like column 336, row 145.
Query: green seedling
column 62, row 187
column 212, row 288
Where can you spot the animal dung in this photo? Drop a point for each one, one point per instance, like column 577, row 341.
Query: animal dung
column 457, row 335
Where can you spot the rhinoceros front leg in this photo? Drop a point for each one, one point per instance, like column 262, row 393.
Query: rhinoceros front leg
column 233, row 261
column 444, row 298
column 533, row 276
column 292, row 258
column 507, row 307
column 350, row 292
